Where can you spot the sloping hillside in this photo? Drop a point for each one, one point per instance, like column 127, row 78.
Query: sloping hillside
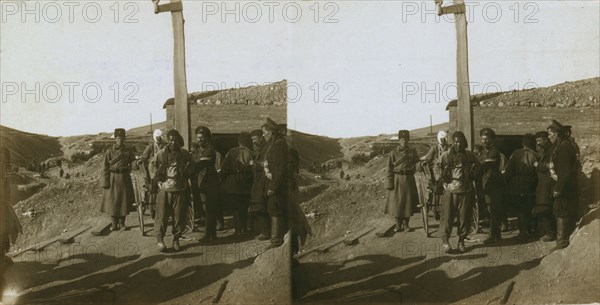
column 25, row 147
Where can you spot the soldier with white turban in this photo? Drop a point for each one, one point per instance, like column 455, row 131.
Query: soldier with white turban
column 431, row 163
column 149, row 153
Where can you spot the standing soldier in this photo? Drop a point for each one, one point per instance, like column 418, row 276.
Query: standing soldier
column 492, row 182
column 543, row 193
column 151, row 150
column 275, row 167
column 403, row 198
column 458, row 171
column 236, row 181
column 118, row 187
column 170, row 168
column 258, row 200
column 521, row 181
column 207, row 180
column 563, row 162
column 431, row 159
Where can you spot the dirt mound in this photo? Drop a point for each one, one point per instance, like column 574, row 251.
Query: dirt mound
column 25, row 147
column 266, row 281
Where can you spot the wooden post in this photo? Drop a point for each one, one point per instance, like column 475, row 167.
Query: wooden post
column 182, row 108
column 464, row 109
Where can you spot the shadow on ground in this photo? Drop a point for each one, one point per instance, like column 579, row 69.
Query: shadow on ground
column 370, row 280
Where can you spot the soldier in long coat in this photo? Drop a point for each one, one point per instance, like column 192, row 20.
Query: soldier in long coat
column 236, row 181
column 258, row 200
column 275, row 168
column 403, row 198
column 118, row 188
column 563, row 171
column 543, row 194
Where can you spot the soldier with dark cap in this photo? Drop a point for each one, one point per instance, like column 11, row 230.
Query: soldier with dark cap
column 492, row 182
column 521, row 181
column 459, row 168
column 170, row 168
column 563, row 162
column 543, row 194
column 118, row 188
column 258, row 200
column 236, row 181
column 275, row 168
column 206, row 179
column 403, row 198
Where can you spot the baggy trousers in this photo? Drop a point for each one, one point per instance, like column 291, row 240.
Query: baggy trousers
column 171, row 204
column 456, row 204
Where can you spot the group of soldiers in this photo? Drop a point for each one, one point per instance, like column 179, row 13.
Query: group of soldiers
column 256, row 180
column 538, row 182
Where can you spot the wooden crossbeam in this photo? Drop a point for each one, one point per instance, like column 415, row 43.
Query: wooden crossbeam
column 352, row 239
column 68, row 238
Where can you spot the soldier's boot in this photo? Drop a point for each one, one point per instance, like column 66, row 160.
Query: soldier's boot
column 122, row 226
column 407, row 228
column 399, row 227
column 237, row 222
column 523, row 226
column 266, row 227
column 160, row 244
column 114, row 224
column 276, row 232
column 550, row 229
column 562, row 237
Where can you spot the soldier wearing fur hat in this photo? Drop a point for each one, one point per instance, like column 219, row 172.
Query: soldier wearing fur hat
column 118, row 187
column 403, row 198
column 562, row 166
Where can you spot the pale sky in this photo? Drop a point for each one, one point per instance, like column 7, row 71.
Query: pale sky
column 389, row 64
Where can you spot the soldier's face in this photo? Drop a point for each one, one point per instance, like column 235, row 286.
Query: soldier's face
column 267, row 134
column 403, row 142
column 119, row 140
column 541, row 142
column 172, row 141
column 459, row 144
column 202, row 139
column 486, row 140
column 256, row 140
column 552, row 135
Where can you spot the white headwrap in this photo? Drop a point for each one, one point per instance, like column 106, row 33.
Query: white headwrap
column 441, row 135
column 157, row 134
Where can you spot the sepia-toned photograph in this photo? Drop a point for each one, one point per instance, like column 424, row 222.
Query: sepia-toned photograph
column 300, row 152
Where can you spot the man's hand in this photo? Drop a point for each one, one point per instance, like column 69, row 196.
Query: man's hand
column 555, row 194
column 270, row 193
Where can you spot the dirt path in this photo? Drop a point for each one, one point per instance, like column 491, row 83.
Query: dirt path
column 409, row 268
column 126, row 268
